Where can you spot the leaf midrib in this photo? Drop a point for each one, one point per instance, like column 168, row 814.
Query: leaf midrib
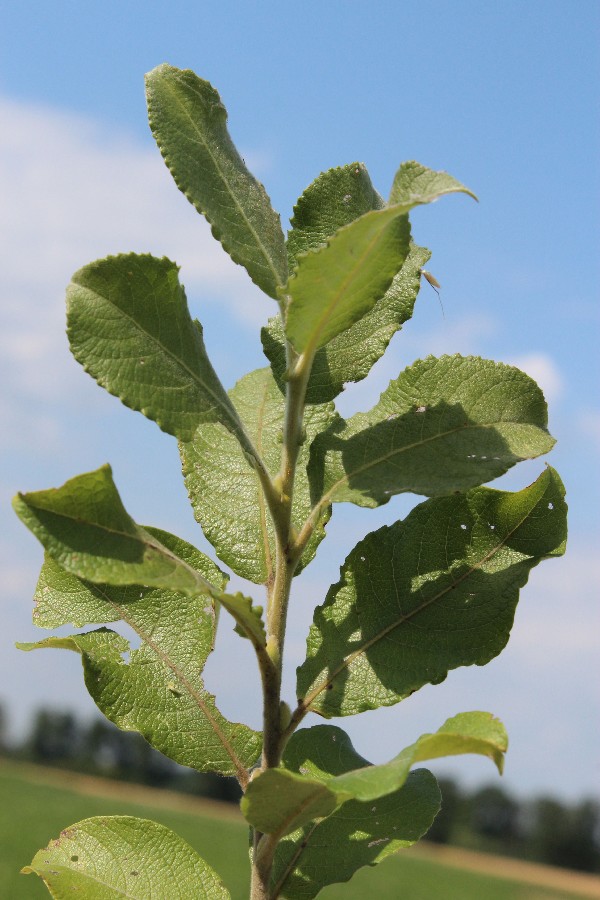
column 194, row 376
column 312, row 343
column 312, row 695
column 205, row 587
column 183, row 680
column 216, row 163
column 397, row 451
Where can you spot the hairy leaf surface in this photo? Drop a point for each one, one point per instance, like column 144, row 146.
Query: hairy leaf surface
column 129, row 326
column 335, row 285
column 110, row 857
column 443, row 425
column 156, row 689
column 225, row 491
column 428, row 594
column 189, row 124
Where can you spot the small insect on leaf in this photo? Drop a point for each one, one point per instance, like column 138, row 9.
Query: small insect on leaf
column 435, row 285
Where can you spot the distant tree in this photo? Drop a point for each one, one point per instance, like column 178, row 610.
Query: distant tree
column 3, row 730
column 444, row 825
column 567, row 837
column 495, row 814
column 55, row 736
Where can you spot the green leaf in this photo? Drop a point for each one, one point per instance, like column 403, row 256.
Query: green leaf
column 278, row 801
column 351, row 355
column 334, row 199
column 225, row 491
column 129, row 326
column 108, row 857
column 188, row 121
column 335, row 285
column 443, row 425
column 156, row 689
column 472, row 732
column 84, row 526
column 429, row 594
column 413, row 180
column 358, row 833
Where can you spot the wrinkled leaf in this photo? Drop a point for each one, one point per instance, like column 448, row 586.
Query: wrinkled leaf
column 108, row 857
column 156, row 689
column 358, row 834
column 84, row 526
column 279, row 800
column 413, row 182
column 334, row 199
column 351, row 355
column 189, row 124
column 443, row 425
column 428, row 594
column 129, row 326
column 335, row 285
column 225, row 491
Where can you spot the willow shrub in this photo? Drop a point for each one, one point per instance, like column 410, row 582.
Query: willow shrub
column 264, row 464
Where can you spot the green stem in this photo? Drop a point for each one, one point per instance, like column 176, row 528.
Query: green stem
column 286, row 560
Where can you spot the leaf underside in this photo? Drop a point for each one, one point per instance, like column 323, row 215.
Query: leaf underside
column 225, row 491
column 129, row 326
column 156, row 689
column 159, row 585
column 280, row 800
column 109, row 857
column 365, row 832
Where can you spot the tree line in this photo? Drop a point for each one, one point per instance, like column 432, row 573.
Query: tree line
column 490, row 819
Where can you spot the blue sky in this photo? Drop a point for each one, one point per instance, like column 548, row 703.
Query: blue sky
column 502, row 95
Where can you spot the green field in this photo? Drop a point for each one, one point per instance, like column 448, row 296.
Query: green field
column 31, row 814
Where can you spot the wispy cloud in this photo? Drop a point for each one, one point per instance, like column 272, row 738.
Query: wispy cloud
column 74, row 191
column 543, row 369
column 589, row 425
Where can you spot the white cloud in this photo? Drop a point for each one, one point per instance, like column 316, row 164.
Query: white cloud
column 74, row 191
column 543, row 369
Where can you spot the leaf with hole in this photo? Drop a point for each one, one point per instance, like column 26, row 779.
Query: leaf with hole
column 443, row 425
column 157, row 688
column 428, row 594
column 108, row 857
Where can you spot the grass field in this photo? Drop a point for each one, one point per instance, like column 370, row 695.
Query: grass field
column 36, row 804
